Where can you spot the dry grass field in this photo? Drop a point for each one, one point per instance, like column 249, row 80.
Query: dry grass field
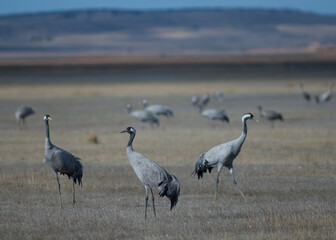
column 288, row 173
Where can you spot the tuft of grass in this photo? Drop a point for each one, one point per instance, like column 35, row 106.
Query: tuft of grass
column 93, row 138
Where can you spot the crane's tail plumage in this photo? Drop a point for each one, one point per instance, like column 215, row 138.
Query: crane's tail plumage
column 77, row 172
column 201, row 166
column 170, row 188
column 280, row 117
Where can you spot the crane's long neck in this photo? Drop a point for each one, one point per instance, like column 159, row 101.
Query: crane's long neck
column 130, row 141
column 47, row 142
column 242, row 137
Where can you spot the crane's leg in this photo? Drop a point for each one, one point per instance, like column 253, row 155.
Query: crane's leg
column 153, row 202
column 235, row 183
column 59, row 189
column 217, row 181
column 73, row 192
column 146, row 202
column 18, row 124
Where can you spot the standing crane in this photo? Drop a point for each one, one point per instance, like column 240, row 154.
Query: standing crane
column 222, row 156
column 158, row 109
column 205, row 98
column 304, row 94
column 270, row 115
column 152, row 175
column 219, row 96
column 326, row 96
column 194, row 100
column 62, row 162
column 21, row 113
column 143, row 115
column 214, row 114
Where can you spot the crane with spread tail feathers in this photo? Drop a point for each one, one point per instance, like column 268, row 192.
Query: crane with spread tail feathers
column 62, row 162
column 222, row 156
column 152, row 175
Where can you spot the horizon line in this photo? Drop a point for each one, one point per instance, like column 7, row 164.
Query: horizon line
column 41, row 12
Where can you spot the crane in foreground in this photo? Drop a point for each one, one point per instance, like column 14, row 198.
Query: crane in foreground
column 152, row 175
column 222, row 156
column 21, row 113
column 63, row 162
column 270, row 115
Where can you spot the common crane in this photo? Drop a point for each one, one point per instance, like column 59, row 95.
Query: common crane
column 222, row 156
column 21, row 113
column 194, row 100
column 152, row 175
column 214, row 114
column 219, row 96
column 304, row 94
column 143, row 115
column 326, row 96
column 158, row 109
column 62, row 162
column 270, row 115
column 205, row 98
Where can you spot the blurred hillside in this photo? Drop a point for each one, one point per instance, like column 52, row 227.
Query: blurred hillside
column 216, row 32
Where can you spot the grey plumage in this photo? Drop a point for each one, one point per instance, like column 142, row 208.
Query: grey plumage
column 194, row 100
column 222, row 156
column 21, row 113
column 205, row 98
column 219, row 96
column 61, row 161
column 143, row 115
column 304, row 94
column 158, row 109
column 326, row 96
column 214, row 114
column 270, row 115
column 152, row 175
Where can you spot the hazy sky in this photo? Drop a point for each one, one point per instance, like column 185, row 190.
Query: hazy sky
column 32, row 6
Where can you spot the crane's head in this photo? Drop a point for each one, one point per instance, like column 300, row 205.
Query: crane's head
column 145, row 103
column 47, row 117
column 130, row 130
column 248, row 116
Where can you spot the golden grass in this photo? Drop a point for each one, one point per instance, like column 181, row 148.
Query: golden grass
column 287, row 173
column 157, row 89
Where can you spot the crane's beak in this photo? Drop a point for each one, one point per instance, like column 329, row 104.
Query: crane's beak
column 123, row 131
column 257, row 120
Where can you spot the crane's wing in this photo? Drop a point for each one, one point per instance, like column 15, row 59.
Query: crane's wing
column 66, row 163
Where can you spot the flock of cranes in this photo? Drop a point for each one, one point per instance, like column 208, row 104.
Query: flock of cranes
column 151, row 174
column 322, row 98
